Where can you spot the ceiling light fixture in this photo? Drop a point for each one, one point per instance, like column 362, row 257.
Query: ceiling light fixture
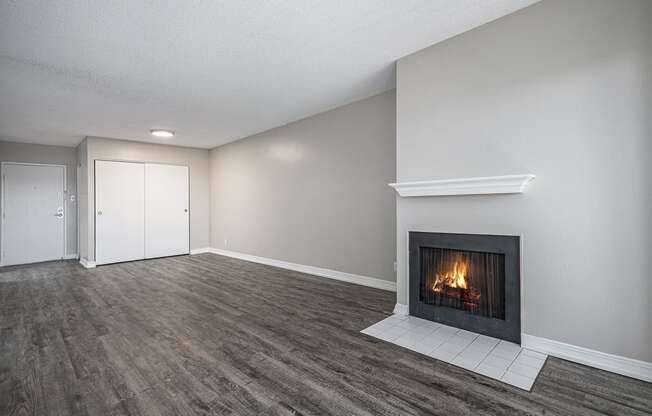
column 162, row 133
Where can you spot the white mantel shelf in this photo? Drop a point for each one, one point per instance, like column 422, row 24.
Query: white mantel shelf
column 509, row 184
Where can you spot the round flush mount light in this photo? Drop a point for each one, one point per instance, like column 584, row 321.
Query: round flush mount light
column 165, row 134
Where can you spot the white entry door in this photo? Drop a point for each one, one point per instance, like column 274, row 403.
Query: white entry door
column 166, row 210
column 33, row 215
column 119, row 211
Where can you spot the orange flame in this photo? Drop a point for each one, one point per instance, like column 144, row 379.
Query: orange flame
column 455, row 278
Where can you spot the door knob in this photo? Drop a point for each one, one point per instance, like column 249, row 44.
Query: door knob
column 59, row 215
column 99, row 212
column 185, row 210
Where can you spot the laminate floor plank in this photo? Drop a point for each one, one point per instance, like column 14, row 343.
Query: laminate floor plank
column 212, row 335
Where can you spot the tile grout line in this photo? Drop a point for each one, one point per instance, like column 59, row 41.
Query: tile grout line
column 443, row 342
column 465, row 348
column 485, row 357
column 512, row 363
column 416, row 341
column 428, row 334
column 508, row 365
column 525, row 365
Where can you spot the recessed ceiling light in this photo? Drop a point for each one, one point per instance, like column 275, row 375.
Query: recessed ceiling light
column 162, row 133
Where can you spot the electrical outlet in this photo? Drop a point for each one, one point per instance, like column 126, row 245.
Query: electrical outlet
column 395, row 267
column 226, row 243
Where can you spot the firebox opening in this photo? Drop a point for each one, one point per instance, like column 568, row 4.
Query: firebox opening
column 466, row 280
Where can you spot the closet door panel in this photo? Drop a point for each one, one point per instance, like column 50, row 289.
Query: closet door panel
column 167, row 229
column 119, row 211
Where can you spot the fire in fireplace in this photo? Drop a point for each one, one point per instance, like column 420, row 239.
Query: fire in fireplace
column 466, row 280
column 470, row 281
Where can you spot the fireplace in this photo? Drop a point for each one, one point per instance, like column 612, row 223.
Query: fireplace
column 469, row 281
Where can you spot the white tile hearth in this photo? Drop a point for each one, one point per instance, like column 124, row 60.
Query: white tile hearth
column 491, row 357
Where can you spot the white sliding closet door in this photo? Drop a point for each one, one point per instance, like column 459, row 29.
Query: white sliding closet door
column 167, row 230
column 119, row 211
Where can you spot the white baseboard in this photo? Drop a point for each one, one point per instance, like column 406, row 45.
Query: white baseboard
column 74, row 256
column 401, row 309
column 87, row 263
column 616, row 364
column 200, row 250
column 318, row 271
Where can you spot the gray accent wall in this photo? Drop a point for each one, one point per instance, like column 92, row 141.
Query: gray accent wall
column 97, row 148
column 313, row 192
column 561, row 89
column 54, row 155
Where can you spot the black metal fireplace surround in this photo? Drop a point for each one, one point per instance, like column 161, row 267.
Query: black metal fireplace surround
column 468, row 281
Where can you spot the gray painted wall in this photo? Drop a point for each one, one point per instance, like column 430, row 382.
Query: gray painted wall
column 97, row 148
column 561, row 89
column 55, row 155
column 313, row 192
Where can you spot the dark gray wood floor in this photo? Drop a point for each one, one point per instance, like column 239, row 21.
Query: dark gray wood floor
column 209, row 335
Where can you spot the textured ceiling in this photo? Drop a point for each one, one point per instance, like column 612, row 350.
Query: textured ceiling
column 213, row 71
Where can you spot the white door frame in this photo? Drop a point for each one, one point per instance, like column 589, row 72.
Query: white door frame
column 2, row 203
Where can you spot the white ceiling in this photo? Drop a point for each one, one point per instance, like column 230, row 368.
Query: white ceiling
column 213, row 71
